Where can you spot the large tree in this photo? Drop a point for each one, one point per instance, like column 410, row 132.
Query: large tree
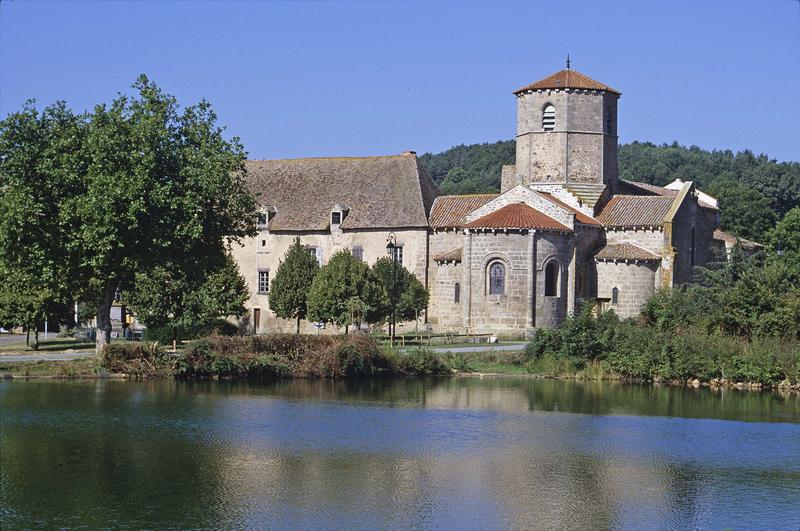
column 344, row 292
column 288, row 296
column 403, row 292
column 189, row 298
column 128, row 186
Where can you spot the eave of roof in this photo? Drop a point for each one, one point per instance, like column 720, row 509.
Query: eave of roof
column 517, row 216
column 567, row 79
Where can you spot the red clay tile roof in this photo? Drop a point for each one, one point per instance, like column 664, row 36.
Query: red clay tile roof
column 517, row 216
column 635, row 211
column 579, row 216
column 450, row 210
column 567, row 79
column 624, row 251
column 453, row 255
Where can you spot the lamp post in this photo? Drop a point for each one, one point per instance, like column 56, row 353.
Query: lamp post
column 391, row 250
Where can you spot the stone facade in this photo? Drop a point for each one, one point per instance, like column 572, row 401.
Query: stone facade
column 563, row 230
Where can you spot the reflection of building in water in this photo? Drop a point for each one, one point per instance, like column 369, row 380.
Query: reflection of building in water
column 513, row 399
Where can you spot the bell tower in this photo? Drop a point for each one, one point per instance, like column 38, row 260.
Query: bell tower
column 566, row 133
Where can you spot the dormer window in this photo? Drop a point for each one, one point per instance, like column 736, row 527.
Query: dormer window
column 549, row 118
column 265, row 215
column 336, row 218
column 263, row 219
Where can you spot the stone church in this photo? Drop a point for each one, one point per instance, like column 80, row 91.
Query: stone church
column 564, row 227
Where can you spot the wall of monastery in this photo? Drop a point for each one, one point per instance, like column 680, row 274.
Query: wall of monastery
column 651, row 239
column 558, row 247
column 265, row 251
column 691, row 216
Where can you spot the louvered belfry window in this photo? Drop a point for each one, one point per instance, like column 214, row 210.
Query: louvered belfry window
column 549, row 118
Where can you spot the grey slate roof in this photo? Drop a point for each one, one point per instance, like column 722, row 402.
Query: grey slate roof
column 381, row 192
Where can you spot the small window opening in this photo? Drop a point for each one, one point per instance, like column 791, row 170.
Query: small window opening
column 615, row 296
column 608, row 120
column 263, row 281
column 549, row 118
column 457, row 293
column 497, row 279
column 398, row 254
column 263, row 219
column 551, row 279
column 336, row 218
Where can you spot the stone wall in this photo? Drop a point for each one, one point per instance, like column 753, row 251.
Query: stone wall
column 444, row 313
column 578, row 149
column 265, row 251
column 691, row 218
column 551, row 311
column 651, row 239
column 635, row 282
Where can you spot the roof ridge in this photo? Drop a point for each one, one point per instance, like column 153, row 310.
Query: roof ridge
column 301, row 159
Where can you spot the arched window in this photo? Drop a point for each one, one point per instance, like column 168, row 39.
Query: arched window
column 457, row 292
column 549, row 118
column 615, row 296
column 551, row 279
column 497, row 279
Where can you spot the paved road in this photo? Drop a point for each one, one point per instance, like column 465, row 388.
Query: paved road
column 6, row 339
column 481, row 348
column 66, row 356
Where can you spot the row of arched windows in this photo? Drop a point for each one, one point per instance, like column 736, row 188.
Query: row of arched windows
column 496, row 280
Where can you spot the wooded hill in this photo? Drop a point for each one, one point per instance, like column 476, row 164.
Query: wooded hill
column 754, row 191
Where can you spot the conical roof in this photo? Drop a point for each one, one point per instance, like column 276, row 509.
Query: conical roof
column 568, row 79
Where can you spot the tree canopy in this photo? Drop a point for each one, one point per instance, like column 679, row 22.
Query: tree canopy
column 345, row 292
column 290, row 287
column 99, row 197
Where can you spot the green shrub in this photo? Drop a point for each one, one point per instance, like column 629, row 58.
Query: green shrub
column 139, row 359
column 423, row 362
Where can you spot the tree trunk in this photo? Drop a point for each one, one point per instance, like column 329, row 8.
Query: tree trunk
column 104, row 317
column 298, row 324
column 27, row 335
column 36, row 337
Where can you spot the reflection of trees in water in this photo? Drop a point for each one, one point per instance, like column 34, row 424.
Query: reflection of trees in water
column 96, row 454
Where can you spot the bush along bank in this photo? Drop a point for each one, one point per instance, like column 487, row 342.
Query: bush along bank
column 602, row 346
column 270, row 356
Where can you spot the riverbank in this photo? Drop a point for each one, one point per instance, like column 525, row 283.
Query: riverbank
column 288, row 356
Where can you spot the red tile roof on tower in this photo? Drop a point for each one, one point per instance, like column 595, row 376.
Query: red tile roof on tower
column 568, row 79
column 450, row 210
column 517, row 216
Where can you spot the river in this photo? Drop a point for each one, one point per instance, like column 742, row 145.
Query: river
column 463, row 453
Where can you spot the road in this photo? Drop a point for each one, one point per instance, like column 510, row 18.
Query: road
column 481, row 348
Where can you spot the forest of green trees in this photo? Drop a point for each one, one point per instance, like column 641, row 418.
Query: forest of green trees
column 754, row 191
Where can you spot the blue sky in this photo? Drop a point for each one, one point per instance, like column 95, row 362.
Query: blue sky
column 313, row 79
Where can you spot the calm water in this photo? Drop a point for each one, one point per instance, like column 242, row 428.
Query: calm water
column 453, row 453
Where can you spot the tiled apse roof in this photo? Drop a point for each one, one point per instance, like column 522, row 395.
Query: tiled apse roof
column 635, row 211
column 624, row 251
column 517, row 216
column 450, row 210
column 453, row 255
column 380, row 192
column 731, row 240
column 567, row 79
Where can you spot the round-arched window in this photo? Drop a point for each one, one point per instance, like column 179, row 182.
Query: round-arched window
column 497, row 279
column 615, row 296
column 551, row 279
